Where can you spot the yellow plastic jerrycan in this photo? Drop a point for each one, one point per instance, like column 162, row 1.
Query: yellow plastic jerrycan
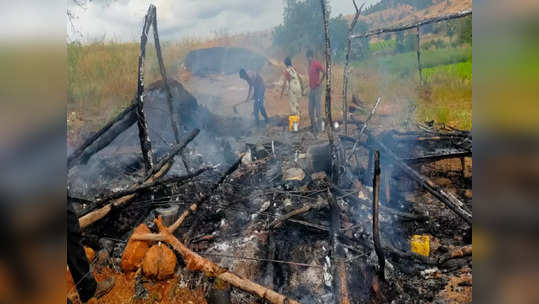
column 293, row 123
column 420, row 244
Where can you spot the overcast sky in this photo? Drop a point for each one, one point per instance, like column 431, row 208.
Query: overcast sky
column 121, row 20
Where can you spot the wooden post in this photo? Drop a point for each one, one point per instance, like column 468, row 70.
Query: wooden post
column 145, row 143
column 419, row 58
column 375, row 211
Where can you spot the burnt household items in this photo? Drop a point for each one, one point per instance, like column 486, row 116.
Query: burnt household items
column 256, row 86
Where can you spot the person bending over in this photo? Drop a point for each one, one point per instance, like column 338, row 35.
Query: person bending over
column 256, row 86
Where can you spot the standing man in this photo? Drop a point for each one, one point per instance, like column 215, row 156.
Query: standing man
column 256, row 85
column 315, row 94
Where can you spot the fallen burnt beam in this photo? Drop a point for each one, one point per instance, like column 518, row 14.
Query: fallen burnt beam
column 195, row 262
column 103, row 137
column 445, row 197
column 436, row 157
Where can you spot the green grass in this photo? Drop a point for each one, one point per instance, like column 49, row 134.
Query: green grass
column 405, row 64
column 382, row 45
column 445, row 97
column 461, row 70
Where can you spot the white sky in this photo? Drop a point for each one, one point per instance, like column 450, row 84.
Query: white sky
column 121, row 20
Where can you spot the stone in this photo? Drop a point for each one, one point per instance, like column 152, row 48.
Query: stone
column 159, row 262
column 135, row 250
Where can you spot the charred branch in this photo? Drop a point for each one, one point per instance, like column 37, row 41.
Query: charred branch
column 175, row 150
column 364, row 127
column 163, row 72
column 346, row 72
column 277, row 222
column 160, row 182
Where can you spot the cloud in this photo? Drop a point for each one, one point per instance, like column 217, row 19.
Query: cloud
column 121, row 20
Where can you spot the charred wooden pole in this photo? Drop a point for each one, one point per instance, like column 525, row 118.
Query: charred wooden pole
column 419, row 57
column 328, row 77
column 375, row 212
column 340, row 285
column 145, row 143
column 164, row 75
column 346, row 72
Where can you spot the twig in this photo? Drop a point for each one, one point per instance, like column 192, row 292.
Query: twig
column 277, row 222
column 346, row 72
column 363, row 128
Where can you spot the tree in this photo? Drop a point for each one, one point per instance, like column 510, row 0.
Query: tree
column 302, row 29
column 338, row 30
column 465, row 30
column 360, row 46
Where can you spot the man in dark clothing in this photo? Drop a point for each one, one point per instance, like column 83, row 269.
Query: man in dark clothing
column 79, row 268
column 314, row 95
column 256, row 85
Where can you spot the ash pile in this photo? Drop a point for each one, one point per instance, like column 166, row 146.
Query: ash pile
column 243, row 217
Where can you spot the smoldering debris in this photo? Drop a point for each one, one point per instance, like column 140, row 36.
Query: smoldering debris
column 267, row 219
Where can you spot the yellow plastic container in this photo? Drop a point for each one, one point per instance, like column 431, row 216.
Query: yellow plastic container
column 420, row 244
column 291, row 120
